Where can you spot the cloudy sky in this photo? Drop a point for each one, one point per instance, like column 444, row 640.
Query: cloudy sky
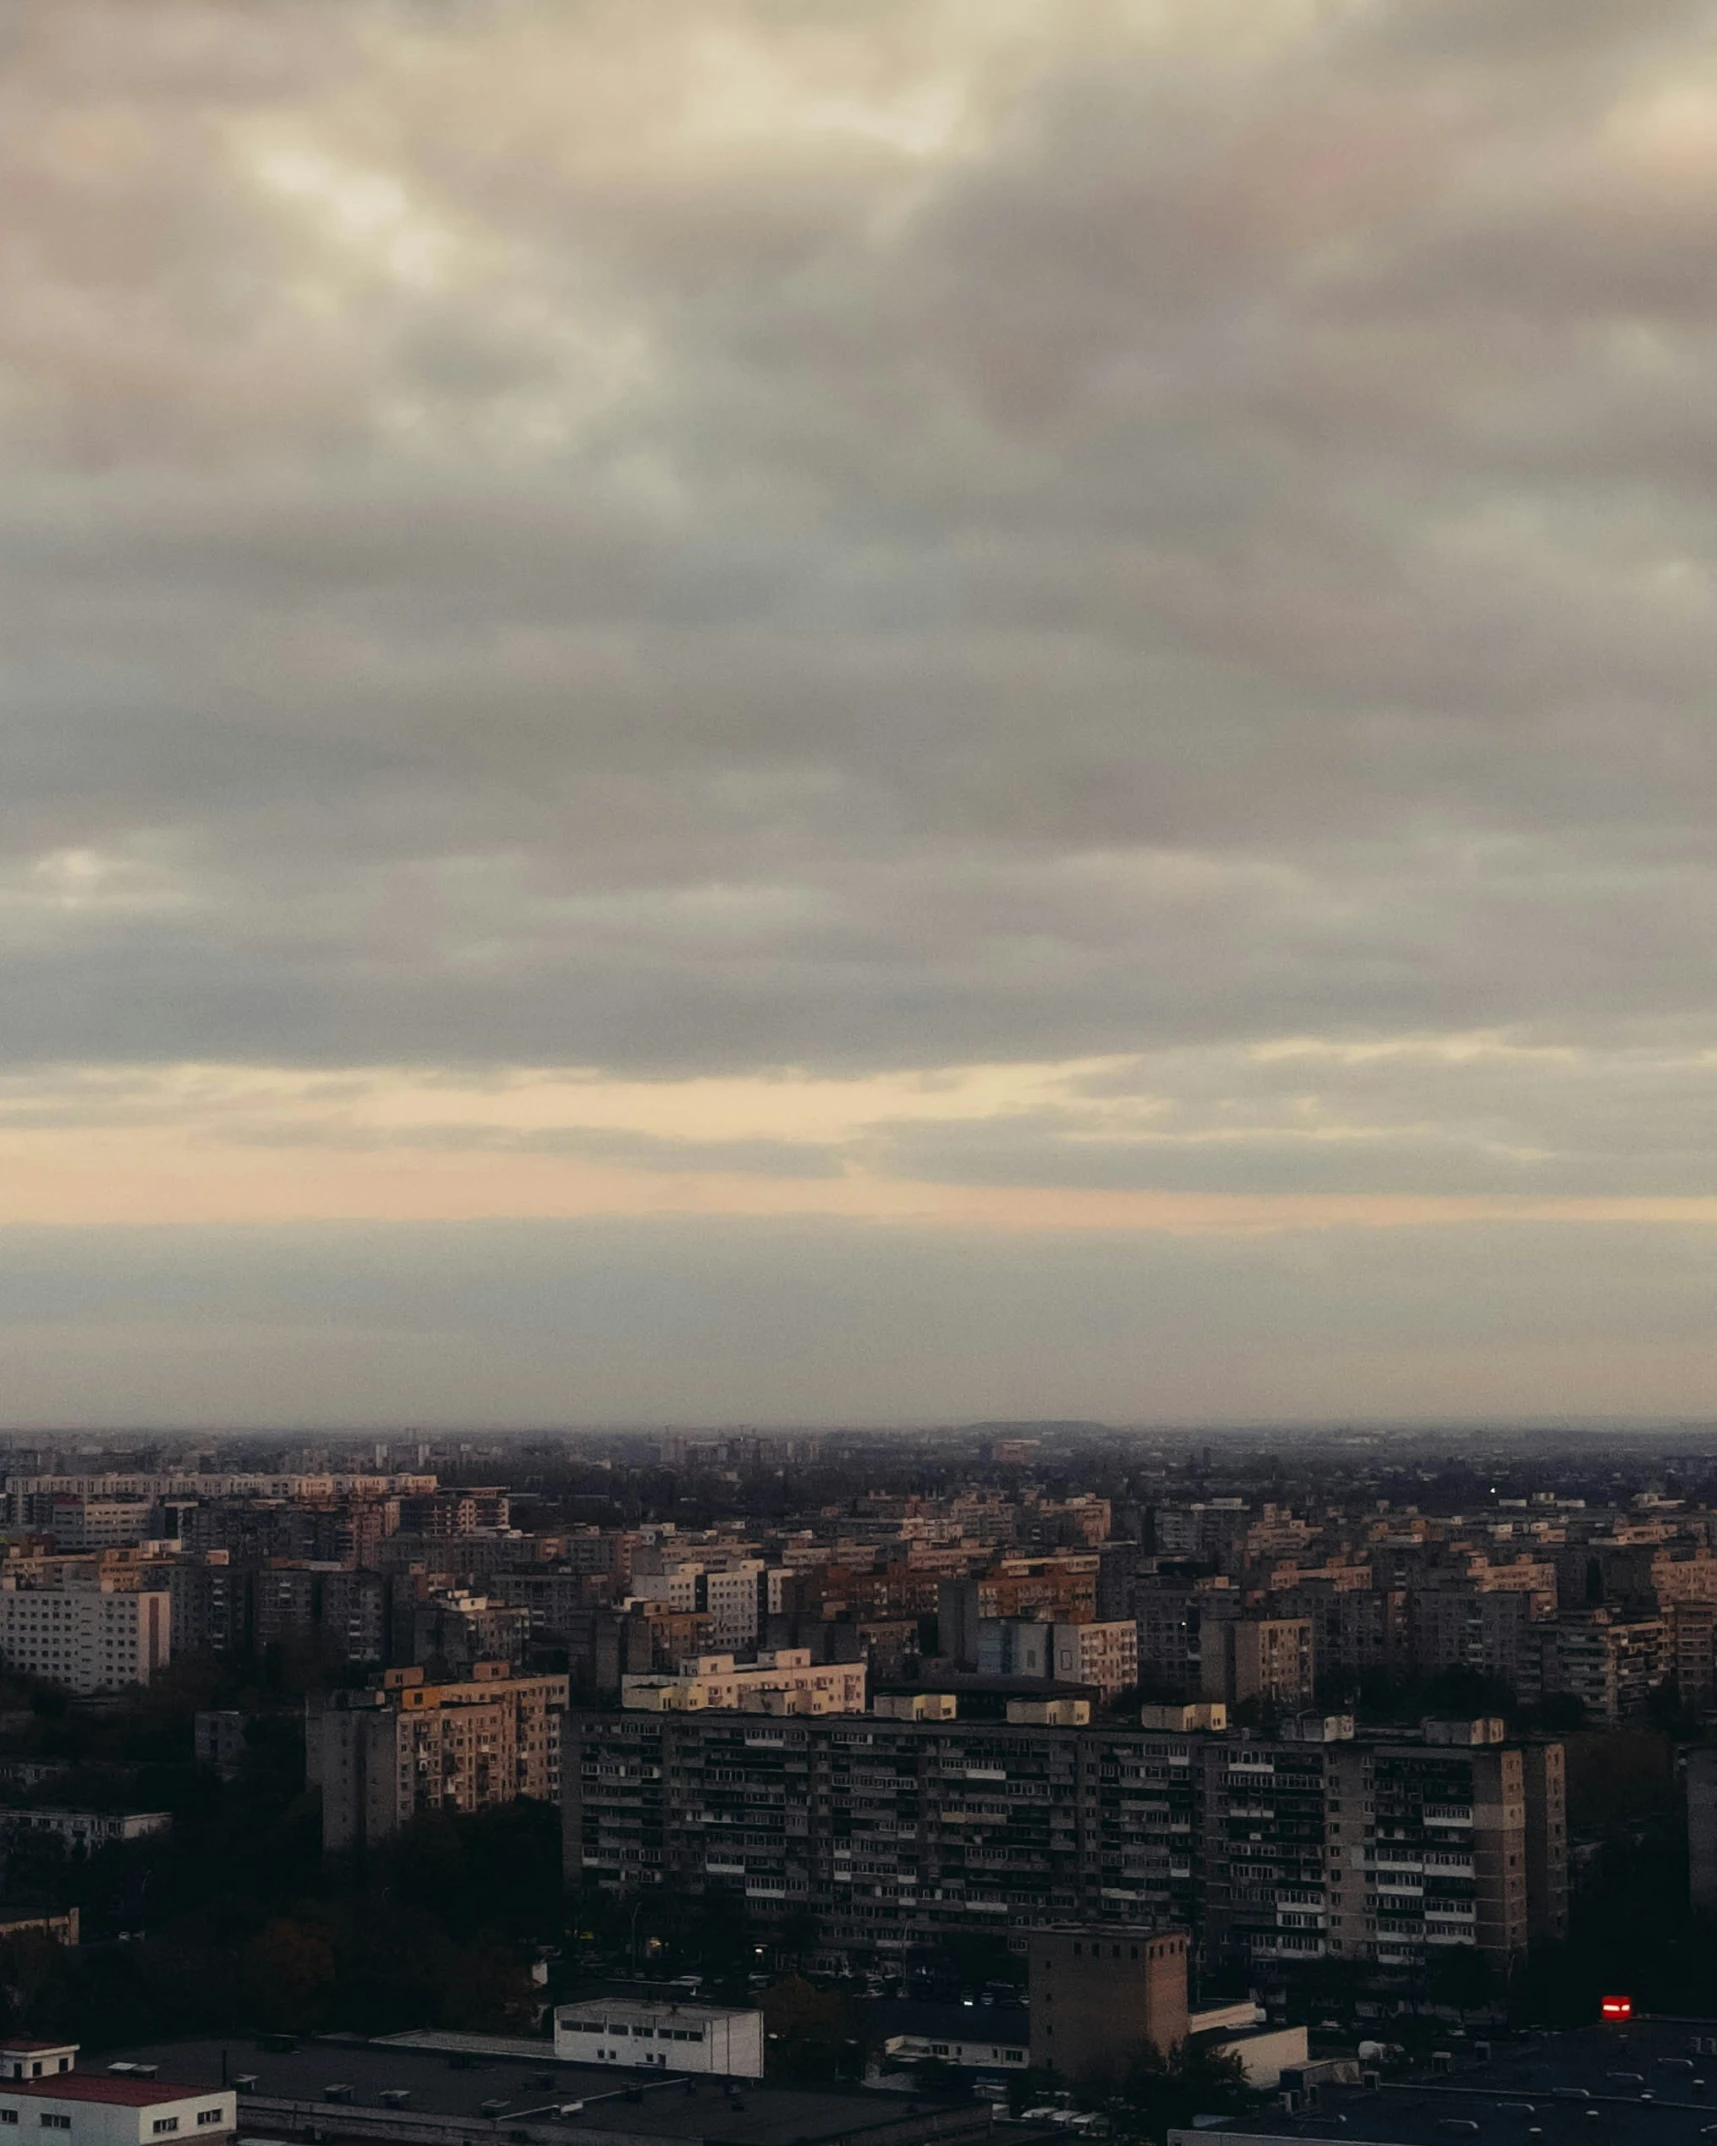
column 857, row 709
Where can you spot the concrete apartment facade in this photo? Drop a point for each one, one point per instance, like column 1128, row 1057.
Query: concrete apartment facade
column 91, row 1637
column 891, row 1832
column 405, row 1747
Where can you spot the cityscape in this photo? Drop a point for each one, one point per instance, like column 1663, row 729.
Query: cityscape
column 1045, row 1775
column 858, row 1072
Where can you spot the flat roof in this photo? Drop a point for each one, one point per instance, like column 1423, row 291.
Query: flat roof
column 1641, row 2084
column 89, row 2086
column 1007, row 2025
column 629, row 2008
column 684, row 2110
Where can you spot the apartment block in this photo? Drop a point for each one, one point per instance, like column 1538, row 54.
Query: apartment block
column 79, row 1522
column 93, row 1635
column 1609, row 1659
column 1355, row 1630
column 892, row 1831
column 1166, row 1623
column 731, row 1594
column 1430, row 1848
column 1269, row 1660
column 406, row 1747
column 1492, row 1630
column 1105, row 1656
column 206, row 1594
column 1546, row 1781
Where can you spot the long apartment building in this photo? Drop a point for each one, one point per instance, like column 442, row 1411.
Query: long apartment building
column 91, row 1632
column 406, row 1747
column 892, row 1832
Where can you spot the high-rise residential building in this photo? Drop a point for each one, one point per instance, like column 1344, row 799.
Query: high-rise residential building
column 406, row 1747
column 1692, row 1650
column 1105, row 1656
column 890, row 1831
column 1490, row 1629
column 731, row 1593
column 1167, row 1619
column 1546, row 1782
column 80, row 1522
column 455, row 1628
column 1356, row 1631
column 207, row 1593
column 91, row 1634
column 1266, row 1659
column 1608, row 1659
column 1431, row 1845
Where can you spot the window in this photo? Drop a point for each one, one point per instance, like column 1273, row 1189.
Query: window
column 210, row 2116
column 56, row 2123
column 8, row 2116
column 163, row 2124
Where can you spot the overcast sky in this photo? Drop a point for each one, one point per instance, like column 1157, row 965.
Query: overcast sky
column 857, row 709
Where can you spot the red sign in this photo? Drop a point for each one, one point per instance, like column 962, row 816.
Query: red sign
column 1617, row 2008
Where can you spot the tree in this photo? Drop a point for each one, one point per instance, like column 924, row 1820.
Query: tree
column 1462, row 1977
column 289, row 1974
column 807, row 2029
column 1158, row 2094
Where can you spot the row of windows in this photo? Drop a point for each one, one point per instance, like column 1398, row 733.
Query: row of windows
column 644, row 2034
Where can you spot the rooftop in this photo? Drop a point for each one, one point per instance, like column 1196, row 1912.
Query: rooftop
column 630, row 2008
column 91, row 2086
column 1004, row 2025
column 1643, row 2084
column 616, row 2105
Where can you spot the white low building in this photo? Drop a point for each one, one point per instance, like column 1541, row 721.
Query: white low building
column 660, row 2037
column 41, row 2090
column 968, row 2037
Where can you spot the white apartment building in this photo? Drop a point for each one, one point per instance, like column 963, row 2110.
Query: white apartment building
column 785, row 1682
column 660, row 2037
column 729, row 1592
column 88, row 1638
column 94, row 1523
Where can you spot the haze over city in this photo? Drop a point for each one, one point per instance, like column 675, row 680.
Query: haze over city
column 863, row 711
